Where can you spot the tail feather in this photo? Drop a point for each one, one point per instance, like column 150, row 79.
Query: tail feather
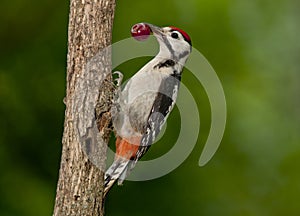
column 122, row 164
column 126, row 172
column 114, row 172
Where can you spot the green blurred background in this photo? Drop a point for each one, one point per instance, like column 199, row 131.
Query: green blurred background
column 254, row 47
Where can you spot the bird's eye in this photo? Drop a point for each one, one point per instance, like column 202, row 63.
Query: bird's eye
column 174, row 35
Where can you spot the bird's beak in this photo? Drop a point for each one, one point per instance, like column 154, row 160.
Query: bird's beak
column 157, row 31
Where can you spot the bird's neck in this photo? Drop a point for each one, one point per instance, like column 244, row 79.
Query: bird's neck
column 167, row 53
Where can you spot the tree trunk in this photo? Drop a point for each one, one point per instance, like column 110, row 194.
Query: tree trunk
column 80, row 184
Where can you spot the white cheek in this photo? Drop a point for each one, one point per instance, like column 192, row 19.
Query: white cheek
column 179, row 47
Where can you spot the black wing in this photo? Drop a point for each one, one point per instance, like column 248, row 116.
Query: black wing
column 162, row 106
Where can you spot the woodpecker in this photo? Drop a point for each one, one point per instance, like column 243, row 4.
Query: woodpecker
column 146, row 101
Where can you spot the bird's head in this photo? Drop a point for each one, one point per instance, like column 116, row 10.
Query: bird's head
column 174, row 42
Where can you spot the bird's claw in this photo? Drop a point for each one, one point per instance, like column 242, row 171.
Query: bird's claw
column 119, row 79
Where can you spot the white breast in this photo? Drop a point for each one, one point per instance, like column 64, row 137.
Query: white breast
column 136, row 100
column 144, row 82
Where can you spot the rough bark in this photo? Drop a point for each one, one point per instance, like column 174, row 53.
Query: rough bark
column 80, row 184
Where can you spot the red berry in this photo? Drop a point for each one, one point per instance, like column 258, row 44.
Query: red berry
column 140, row 31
